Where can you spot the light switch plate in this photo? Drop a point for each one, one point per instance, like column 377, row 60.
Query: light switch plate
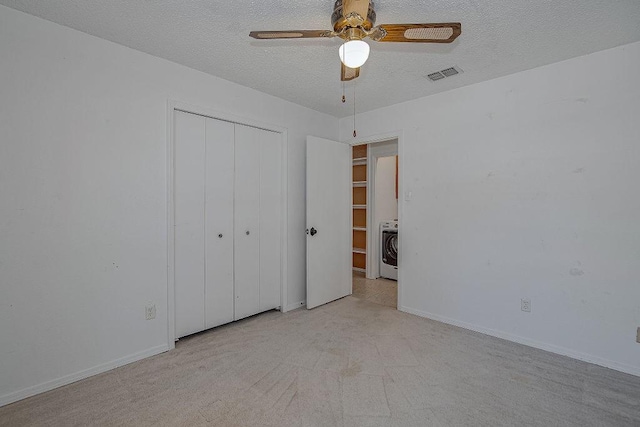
column 408, row 195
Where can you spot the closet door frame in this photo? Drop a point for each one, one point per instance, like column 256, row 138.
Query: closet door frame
column 172, row 107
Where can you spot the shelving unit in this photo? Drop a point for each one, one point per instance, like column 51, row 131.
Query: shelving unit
column 359, row 208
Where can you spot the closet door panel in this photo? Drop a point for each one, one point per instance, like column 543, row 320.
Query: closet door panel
column 246, row 222
column 219, row 177
column 189, row 173
column 270, row 218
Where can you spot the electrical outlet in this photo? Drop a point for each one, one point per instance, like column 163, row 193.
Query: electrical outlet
column 638, row 335
column 150, row 312
column 525, row 305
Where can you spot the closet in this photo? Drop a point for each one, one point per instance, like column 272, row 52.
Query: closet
column 227, row 211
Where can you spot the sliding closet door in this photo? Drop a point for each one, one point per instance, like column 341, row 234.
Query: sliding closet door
column 218, row 292
column 189, row 184
column 247, row 216
column 228, row 222
column 270, row 218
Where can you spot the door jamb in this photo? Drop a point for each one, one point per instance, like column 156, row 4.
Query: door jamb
column 172, row 106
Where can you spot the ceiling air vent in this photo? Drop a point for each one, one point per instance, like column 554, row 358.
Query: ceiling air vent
column 447, row 72
column 436, row 76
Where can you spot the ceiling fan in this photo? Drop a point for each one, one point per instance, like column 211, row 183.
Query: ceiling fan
column 354, row 20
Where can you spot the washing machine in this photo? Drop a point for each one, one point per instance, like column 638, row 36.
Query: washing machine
column 389, row 249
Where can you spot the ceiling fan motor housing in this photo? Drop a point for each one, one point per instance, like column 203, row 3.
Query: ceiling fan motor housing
column 340, row 22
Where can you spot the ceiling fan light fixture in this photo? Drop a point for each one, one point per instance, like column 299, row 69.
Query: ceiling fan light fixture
column 354, row 53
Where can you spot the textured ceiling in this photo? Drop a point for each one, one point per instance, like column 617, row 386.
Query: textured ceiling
column 498, row 38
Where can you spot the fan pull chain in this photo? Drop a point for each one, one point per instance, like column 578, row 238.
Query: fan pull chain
column 354, row 110
column 343, row 97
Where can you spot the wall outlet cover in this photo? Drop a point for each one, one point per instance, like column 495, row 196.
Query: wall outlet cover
column 525, row 305
column 638, row 335
column 150, row 312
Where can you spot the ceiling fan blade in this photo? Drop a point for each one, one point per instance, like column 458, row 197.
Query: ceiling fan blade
column 347, row 74
column 361, row 7
column 292, row 34
column 417, row 33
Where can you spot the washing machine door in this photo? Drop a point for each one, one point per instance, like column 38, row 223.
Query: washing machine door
column 390, row 247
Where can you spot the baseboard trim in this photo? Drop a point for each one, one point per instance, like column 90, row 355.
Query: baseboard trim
column 294, row 306
column 80, row 375
column 622, row 367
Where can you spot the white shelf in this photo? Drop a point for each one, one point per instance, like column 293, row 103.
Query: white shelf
column 360, row 161
column 359, row 270
column 359, row 251
column 360, row 228
column 359, row 183
column 359, row 206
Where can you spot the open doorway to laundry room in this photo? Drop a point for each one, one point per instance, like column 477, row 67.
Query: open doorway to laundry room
column 375, row 222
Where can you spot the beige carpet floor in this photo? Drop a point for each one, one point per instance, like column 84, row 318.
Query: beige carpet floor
column 381, row 291
column 348, row 363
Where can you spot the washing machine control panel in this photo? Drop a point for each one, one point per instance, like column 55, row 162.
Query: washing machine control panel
column 389, row 224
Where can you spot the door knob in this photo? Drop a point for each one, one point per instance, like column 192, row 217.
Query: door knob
column 313, row 231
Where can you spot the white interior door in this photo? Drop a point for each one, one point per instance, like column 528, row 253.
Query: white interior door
column 189, row 222
column 329, row 195
column 247, row 219
column 218, row 294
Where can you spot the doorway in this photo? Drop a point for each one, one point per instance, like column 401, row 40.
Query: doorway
column 375, row 222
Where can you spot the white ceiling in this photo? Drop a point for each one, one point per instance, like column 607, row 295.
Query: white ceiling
column 498, row 38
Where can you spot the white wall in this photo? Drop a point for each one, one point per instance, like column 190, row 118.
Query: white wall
column 526, row 186
column 386, row 204
column 83, row 197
